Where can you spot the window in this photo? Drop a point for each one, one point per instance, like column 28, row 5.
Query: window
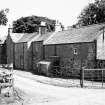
column 75, row 51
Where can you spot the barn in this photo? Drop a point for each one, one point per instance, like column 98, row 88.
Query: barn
column 11, row 38
column 22, row 51
column 7, row 47
column 77, row 47
column 29, row 49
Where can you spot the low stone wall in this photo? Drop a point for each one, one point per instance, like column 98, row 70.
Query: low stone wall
column 6, row 83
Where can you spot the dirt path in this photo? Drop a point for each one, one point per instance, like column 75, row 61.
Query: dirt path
column 44, row 94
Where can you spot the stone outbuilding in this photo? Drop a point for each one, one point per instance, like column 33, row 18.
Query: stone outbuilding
column 29, row 49
column 75, row 47
column 11, row 39
column 78, row 47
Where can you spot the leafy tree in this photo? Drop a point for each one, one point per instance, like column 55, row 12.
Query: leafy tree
column 93, row 13
column 31, row 24
column 3, row 16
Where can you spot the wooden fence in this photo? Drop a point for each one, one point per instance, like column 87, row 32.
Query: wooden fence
column 92, row 78
column 81, row 77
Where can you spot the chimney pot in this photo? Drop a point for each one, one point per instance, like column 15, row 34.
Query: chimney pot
column 9, row 30
column 42, row 30
column 58, row 27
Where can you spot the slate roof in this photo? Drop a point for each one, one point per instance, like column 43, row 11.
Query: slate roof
column 43, row 37
column 31, row 37
column 27, row 37
column 75, row 35
column 16, row 36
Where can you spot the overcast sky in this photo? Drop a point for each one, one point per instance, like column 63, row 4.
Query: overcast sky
column 66, row 11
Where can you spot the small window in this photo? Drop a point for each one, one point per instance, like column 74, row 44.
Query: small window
column 75, row 51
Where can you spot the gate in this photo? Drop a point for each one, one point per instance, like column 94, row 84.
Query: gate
column 84, row 78
column 94, row 78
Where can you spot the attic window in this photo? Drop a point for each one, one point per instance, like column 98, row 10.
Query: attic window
column 75, row 51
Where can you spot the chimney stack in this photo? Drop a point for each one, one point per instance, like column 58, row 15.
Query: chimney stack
column 42, row 28
column 9, row 30
column 58, row 26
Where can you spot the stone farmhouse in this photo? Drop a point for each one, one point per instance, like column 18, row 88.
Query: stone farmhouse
column 78, row 47
column 75, row 47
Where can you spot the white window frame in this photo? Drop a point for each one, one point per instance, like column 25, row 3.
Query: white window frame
column 75, row 51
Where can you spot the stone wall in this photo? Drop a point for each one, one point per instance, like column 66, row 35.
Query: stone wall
column 19, row 55
column 22, row 56
column 26, row 57
column 37, row 53
column 85, row 56
column 10, row 45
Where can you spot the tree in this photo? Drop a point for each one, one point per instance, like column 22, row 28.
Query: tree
column 3, row 16
column 31, row 24
column 93, row 13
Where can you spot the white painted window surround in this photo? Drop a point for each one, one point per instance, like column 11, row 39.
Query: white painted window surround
column 101, row 47
column 75, row 51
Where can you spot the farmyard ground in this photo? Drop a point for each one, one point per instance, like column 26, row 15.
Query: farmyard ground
column 39, row 90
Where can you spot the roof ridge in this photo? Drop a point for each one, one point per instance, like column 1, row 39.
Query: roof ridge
column 84, row 34
column 90, row 25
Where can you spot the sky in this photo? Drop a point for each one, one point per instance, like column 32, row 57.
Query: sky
column 66, row 11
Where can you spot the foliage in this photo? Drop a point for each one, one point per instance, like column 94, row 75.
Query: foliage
column 31, row 24
column 3, row 16
column 93, row 13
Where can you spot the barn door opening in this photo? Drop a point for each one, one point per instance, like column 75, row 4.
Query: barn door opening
column 21, row 62
column 76, row 59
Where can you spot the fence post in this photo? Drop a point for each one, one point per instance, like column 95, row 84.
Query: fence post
column 102, row 78
column 0, row 89
column 81, row 77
